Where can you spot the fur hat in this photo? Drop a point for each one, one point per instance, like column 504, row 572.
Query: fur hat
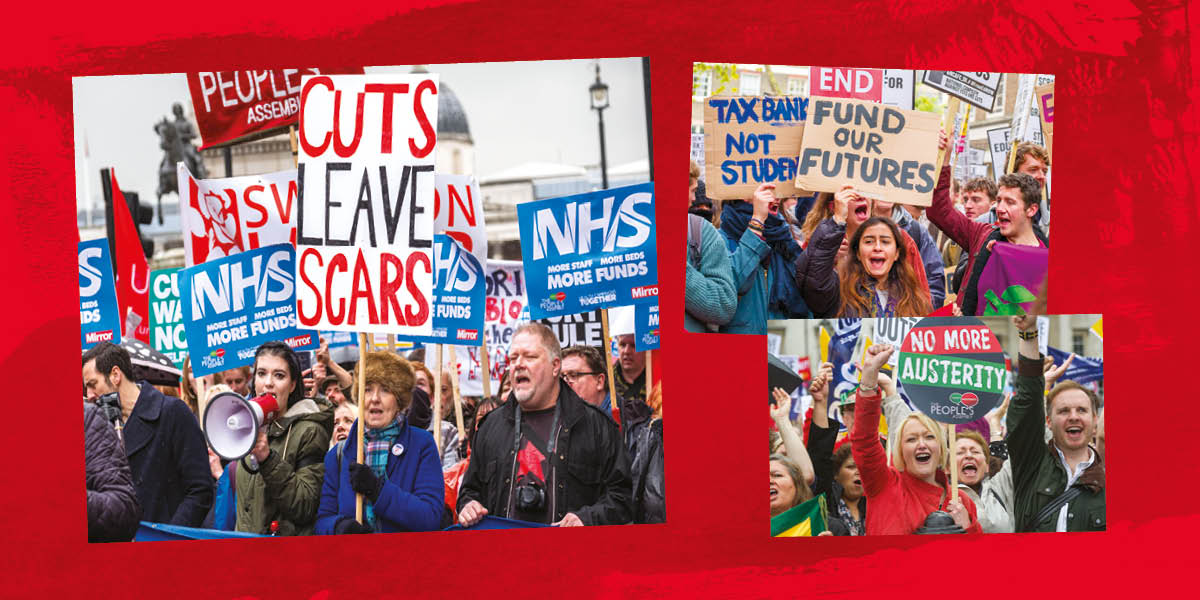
column 393, row 373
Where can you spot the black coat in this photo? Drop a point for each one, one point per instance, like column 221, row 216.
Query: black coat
column 649, row 491
column 169, row 459
column 112, row 504
column 595, row 483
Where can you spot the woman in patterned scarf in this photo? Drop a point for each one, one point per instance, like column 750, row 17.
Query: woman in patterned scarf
column 401, row 480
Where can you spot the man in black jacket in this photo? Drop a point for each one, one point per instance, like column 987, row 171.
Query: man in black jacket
column 546, row 456
column 166, row 449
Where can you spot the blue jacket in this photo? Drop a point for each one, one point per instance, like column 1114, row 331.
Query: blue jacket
column 413, row 495
column 750, row 278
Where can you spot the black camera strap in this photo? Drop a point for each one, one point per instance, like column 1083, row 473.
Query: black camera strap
column 550, row 443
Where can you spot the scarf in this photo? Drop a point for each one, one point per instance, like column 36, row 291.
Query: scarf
column 377, row 446
column 782, row 294
column 854, row 525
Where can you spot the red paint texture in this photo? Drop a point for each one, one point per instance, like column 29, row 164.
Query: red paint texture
column 1125, row 219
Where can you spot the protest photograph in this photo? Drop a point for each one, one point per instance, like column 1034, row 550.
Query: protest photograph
column 896, row 426
column 354, row 300
column 826, row 192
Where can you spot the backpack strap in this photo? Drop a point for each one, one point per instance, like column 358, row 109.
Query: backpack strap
column 695, row 223
column 1057, row 504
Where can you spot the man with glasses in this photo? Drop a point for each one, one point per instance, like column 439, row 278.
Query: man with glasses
column 584, row 370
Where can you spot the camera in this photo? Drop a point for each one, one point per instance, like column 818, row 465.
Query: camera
column 531, row 495
column 110, row 407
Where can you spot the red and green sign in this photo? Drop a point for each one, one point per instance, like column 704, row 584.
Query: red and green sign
column 952, row 368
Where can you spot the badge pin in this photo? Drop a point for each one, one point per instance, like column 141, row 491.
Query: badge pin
column 398, row 449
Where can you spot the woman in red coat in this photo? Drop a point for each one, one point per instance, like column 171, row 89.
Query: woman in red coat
column 902, row 496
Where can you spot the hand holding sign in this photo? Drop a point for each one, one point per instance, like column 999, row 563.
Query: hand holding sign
column 841, row 203
column 764, row 201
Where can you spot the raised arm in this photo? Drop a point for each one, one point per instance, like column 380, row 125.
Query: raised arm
column 1026, row 419
column 864, row 437
column 791, row 440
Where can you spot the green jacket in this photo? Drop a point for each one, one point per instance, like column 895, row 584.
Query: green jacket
column 287, row 486
column 1038, row 473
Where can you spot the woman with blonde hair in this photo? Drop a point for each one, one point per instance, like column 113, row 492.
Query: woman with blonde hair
column 903, row 495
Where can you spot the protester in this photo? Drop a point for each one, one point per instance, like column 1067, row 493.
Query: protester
column 882, row 276
column 570, row 469
column 698, row 203
column 1019, row 195
column 1058, row 486
column 238, row 380
column 401, row 480
column 973, row 460
column 162, row 438
column 1033, row 160
column 835, row 474
column 343, row 418
column 630, row 377
column 331, row 388
column 710, row 297
column 763, row 254
column 344, row 378
column 645, row 440
column 112, row 505
column 450, row 438
column 902, row 496
column 584, row 370
column 978, row 198
column 192, row 388
column 793, row 444
column 931, row 257
column 788, row 488
column 279, row 480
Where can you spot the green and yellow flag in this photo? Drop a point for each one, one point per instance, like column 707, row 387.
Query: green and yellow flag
column 803, row 520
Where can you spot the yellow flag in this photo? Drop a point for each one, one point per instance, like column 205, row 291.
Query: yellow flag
column 824, row 346
column 1098, row 329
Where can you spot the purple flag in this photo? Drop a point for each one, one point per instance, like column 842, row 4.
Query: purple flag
column 1011, row 279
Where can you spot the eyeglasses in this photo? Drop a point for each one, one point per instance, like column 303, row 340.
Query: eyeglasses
column 571, row 376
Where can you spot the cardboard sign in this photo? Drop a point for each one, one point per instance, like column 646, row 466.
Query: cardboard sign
column 645, row 322
column 232, row 305
column 364, row 230
column 884, row 152
column 99, row 315
column 1043, row 97
column 589, row 251
column 977, row 88
column 998, row 145
column 698, row 152
column 167, row 333
column 750, row 140
column 952, row 369
column 458, row 297
column 230, row 105
column 458, row 212
column 225, row 216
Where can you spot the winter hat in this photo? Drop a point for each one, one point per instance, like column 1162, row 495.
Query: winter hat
column 393, row 373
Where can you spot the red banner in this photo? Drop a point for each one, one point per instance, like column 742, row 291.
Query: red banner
column 834, row 82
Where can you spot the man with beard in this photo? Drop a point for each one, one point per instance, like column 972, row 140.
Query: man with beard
column 631, row 372
column 545, row 455
column 1058, row 486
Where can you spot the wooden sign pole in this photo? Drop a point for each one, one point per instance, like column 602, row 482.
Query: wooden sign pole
column 458, row 416
column 362, row 408
column 485, row 367
column 612, row 386
column 952, row 431
column 436, row 421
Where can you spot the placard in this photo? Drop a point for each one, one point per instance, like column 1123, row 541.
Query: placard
column 458, row 212
column 99, row 315
column 167, row 333
column 998, row 145
column 364, row 228
column 225, row 216
column 884, row 152
column 230, row 105
column 233, row 305
column 977, row 88
column 698, row 152
column 458, row 297
column 952, row 369
column 583, row 329
column 892, row 330
column 751, row 140
column 645, row 333
column 1043, row 98
column 589, row 251
column 893, row 87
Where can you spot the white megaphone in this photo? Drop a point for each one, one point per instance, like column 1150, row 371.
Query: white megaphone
column 231, row 422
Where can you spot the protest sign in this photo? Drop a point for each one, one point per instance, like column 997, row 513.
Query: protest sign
column 892, row 331
column 364, row 227
column 952, row 368
column 582, row 329
column 458, row 297
column 752, row 140
column 230, row 105
column 1043, row 97
column 589, row 251
column 620, row 321
column 166, row 316
column 1011, row 279
column 698, row 152
column 893, row 87
column 1083, row 370
column 338, row 339
column 458, row 212
column 645, row 326
column 99, row 316
column 225, row 216
column 977, row 88
column 233, row 305
column 843, row 351
column 998, row 146
column 885, row 152
column 774, row 343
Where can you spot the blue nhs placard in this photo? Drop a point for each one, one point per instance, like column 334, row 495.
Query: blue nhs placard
column 459, row 296
column 589, row 251
column 99, row 315
column 234, row 304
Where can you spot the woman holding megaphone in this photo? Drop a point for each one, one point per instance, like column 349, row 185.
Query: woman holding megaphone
column 401, row 480
column 904, row 495
column 279, row 481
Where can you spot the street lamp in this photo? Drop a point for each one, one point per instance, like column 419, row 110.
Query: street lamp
column 599, row 93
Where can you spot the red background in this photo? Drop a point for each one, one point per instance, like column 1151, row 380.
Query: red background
column 1125, row 220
